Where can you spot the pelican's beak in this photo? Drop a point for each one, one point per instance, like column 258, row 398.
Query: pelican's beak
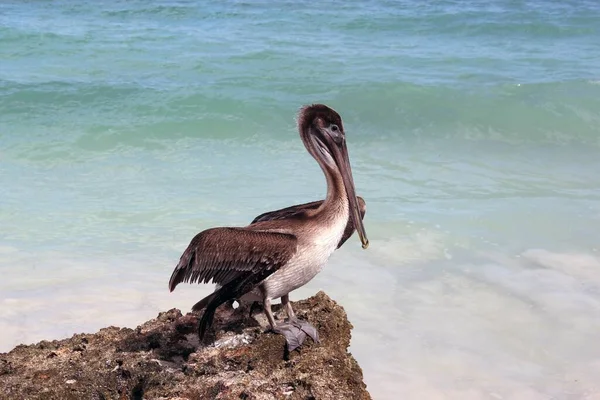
column 340, row 155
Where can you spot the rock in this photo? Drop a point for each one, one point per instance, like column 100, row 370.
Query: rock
column 162, row 359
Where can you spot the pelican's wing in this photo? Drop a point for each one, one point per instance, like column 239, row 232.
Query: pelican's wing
column 289, row 212
column 221, row 255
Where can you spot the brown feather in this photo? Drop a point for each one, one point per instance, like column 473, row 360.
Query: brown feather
column 223, row 254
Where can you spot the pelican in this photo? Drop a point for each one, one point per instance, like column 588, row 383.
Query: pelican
column 282, row 214
column 282, row 250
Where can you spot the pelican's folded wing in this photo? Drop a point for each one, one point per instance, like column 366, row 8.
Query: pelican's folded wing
column 223, row 254
column 287, row 212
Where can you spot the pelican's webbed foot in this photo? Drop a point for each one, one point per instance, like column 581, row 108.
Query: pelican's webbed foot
column 294, row 336
column 306, row 328
column 295, row 332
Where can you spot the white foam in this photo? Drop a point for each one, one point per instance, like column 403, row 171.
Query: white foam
column 494, row 328
column 585, row 267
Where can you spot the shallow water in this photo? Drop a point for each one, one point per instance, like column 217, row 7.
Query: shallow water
column 473, row 134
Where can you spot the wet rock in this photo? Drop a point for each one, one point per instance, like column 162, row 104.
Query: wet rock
column 162, row 359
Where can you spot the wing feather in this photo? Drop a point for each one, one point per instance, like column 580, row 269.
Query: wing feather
column 287, row 212
column 223, row 254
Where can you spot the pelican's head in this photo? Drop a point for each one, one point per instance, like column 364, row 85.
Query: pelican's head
column 322, row 133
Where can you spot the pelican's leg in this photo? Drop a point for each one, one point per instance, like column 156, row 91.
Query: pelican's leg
column 294, row 336
column 255, row 304
column 297, row 322
column 285, row 301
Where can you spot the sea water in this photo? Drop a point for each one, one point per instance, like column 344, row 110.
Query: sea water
column 474, row 135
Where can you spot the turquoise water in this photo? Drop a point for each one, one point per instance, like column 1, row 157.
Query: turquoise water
column 474, row 135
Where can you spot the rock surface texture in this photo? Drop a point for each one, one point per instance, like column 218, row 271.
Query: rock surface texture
column 162, row 359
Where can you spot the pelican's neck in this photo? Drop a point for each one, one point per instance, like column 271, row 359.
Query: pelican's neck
column 336, row 201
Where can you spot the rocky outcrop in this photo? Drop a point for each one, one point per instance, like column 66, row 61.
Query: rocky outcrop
column 162, row 359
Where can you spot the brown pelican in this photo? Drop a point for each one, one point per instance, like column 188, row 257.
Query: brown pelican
column 283, row 214
column 283, row 250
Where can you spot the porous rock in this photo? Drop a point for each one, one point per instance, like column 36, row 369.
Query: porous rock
column 162, row 359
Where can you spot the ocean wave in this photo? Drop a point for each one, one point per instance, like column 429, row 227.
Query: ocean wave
column 552, row 113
